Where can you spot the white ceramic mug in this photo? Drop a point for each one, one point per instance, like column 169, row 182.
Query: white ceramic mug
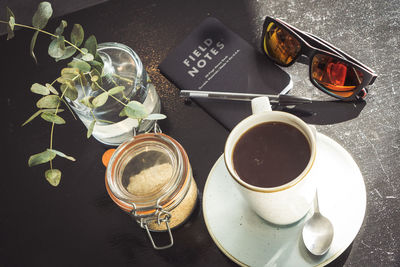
column 283, row 204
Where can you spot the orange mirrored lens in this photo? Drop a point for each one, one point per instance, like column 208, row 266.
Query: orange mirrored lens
column 280, row 45
column 335, row 75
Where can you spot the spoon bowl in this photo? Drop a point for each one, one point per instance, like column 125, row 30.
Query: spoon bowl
column 318, row 232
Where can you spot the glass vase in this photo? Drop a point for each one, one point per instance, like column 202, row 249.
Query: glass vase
column 122, row 67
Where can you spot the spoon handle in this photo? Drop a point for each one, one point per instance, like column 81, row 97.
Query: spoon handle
column 316, row 204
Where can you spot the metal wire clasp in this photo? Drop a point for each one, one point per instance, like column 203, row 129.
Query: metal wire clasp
column 161, row 216
column 155, row 128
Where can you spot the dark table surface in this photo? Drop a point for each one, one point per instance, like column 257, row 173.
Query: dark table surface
column 77, row 224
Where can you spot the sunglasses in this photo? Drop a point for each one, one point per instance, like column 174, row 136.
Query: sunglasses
column 331, row 70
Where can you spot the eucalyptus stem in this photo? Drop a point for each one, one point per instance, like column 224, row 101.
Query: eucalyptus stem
column 80, row 81
column 104, row 90
column 53, row 82
column 84, row 93
column 45, row 32
column 69, row 108
column 48, row 33
column 124, row 96
column 122, row 78
column 116, row 84
column 116, row 99
column 52, row 127
column 53, row 124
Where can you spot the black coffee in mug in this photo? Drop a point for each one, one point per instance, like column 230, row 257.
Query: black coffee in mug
column 271, row 154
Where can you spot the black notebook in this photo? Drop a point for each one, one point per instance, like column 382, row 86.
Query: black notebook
column 214, row 58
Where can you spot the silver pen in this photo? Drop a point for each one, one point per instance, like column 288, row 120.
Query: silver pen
column 275, row 99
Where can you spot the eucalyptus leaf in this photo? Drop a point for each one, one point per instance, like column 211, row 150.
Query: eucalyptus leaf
column 63, row 84
column 100, row 100
column 122, row 113
column 74, row 71
column 156, row 116
column 9, row 13
column 40, row 89
column 10, row 33
column 57, row 47
column 70, row 92
column 10, row 28
column 41, row 158
column 98, row 66
column 116, row 90
column 32, row 46
column 71, row 83
column 53, row 176
column 68, row 52
column 90, row 129
column 49, row 101
column 51, row 88
column 11, row 23
column 61, row 154
column 60, row 29
column 80, row 64
column 135, row 110
column 77, row 35
column 87, row 101
column 51, row 117
column 98, row 58
column 91, row 44
column 37, row 113
column 42, row 15
column 53, row 110
column 67, row 79
column 87, row 57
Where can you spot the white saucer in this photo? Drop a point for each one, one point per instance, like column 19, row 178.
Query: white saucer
column 249, row 240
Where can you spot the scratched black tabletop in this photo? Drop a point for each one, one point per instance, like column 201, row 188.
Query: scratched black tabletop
column 77, row 224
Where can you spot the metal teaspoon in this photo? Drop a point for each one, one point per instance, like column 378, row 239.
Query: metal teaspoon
column 317, row 232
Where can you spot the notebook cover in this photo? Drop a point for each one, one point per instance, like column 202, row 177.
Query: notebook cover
column 214, row 58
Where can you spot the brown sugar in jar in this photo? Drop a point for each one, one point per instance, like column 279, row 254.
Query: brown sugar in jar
column 151, row 178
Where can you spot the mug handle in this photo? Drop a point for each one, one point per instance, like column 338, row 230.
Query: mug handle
column 260, row 104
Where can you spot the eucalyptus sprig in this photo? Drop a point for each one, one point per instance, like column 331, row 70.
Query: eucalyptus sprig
column 85, row 69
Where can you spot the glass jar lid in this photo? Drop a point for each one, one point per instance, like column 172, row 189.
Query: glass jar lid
column 147, row 172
